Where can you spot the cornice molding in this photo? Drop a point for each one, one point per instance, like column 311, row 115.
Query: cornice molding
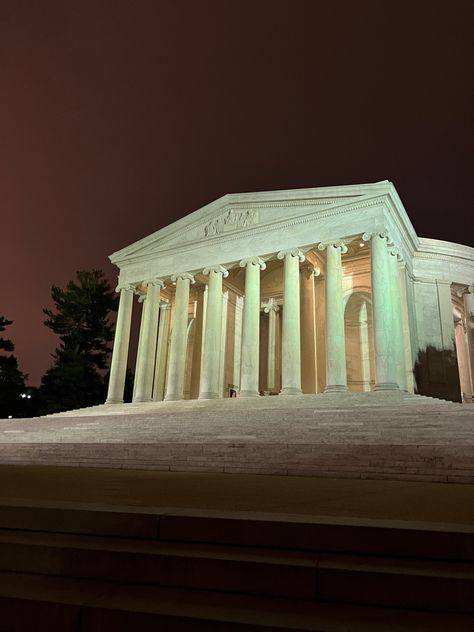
column 444, row 257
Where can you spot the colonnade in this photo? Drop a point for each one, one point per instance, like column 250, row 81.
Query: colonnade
column 387, row 327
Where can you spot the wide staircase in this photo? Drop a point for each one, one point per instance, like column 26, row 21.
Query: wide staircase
column 364, row 435
column 95, row 568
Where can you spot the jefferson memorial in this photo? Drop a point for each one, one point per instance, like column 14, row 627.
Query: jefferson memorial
column 322, row 290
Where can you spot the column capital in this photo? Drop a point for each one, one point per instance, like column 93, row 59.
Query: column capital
column 217, row 269
column 395, row 252
column 467, row 294
column 467, row 289
column 336, row 243
column 310, row 270
column 382, row 233
column 292, row 252
column 253, row 261
column 184, row 276
column 126, row 287
column 153, row 283
column 270, row 306
column 139, row 291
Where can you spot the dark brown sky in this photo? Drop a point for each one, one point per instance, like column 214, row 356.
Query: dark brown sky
column 117, row 118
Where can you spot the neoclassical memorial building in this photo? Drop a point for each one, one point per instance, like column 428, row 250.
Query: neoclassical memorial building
column 321, row 290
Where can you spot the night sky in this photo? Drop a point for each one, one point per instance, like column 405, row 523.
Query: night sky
column 117, row 118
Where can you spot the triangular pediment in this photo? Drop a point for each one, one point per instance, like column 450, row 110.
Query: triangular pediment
column 236, row 215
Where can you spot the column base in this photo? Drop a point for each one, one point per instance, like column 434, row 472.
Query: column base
column 173, row 397
column 386, row 386
column 208, row 395
column 291, row 390
column 113, row 401
column 141, row 400
column 336, row 388
column 249, row 394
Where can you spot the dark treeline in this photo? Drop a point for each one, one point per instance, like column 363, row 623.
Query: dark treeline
column 78, row 376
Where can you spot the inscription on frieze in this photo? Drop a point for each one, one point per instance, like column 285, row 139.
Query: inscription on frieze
column 231, row 221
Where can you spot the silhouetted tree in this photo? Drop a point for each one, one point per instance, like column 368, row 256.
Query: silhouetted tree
column 72, row 382
column 5, row 344
column 12, row 380
column 81, row 320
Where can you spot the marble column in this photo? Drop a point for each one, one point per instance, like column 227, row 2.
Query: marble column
column 197, row 345
column 141, row 301
column 308, row 329
column 463, row 360
column 397, row 328
column 249, row 362
column 408, row 325
column 364, row 347
column 161, row 352
column 179, row 334
column 336, row 373
column 271, row 308
column 147, row 342
column 320, row 304
column 223, row 346
column 239, row 310
column 386, row 374
column 291, row 350
column 209, row 386
column 468, row 298
column 118, row 366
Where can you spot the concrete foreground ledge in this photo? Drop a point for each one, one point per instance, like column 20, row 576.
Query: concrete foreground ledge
column 256, row 495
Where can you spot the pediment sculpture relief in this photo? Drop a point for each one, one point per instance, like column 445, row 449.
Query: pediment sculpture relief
column 231, row 220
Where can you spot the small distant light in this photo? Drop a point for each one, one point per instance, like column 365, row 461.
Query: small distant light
column 361, row 244
column 28, row 397
column 10, row 416
column 23, row 395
